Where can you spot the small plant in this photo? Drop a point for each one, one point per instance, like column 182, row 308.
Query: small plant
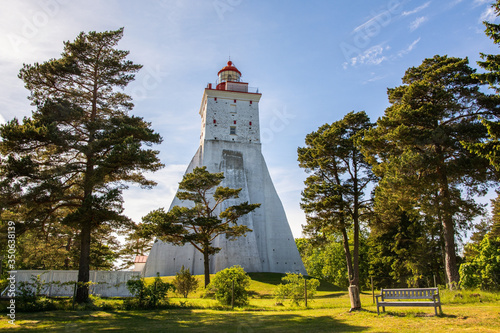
column 294, row 288
column 222, row 286
column 30, row 296
column 184, row 282
column 147, row 295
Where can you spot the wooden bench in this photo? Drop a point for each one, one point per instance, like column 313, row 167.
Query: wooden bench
column 431, row 294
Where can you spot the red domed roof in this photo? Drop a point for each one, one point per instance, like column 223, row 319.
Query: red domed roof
column 229, row 67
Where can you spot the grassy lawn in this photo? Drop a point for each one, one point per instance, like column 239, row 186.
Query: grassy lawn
column 463, row 312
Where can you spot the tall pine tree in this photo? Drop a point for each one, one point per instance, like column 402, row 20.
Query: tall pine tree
column 73, row 156
column 333, row 198
column 415, row 147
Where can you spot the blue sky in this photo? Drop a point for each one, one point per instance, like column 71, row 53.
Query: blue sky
column 312, row 61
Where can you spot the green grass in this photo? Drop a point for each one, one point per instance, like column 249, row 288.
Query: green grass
column 463, row 311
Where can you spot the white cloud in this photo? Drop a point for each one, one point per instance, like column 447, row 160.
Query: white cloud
column 2, row 120
column 375, row 78
column 488, row 15
column 372, row 56
column 481, row 2
column 409, row 48
column 416, row 10
column 139, row 202
column 417, row 22
column 374, row 20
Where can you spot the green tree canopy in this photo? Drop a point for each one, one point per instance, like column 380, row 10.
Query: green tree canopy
column 333, row 198
column 490, row 148
column 72, row 157
column 415, row 148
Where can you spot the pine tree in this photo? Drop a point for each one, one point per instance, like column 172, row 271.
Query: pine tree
column 201, row 224
column 72, row 158
column 333, row 198
column 415, row 147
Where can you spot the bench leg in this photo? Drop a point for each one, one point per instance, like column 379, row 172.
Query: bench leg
column 378, row 311
column 383, row 309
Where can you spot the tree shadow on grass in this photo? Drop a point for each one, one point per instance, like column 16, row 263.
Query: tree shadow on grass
column 275, row 279
column 332, row 295
column 415, row 314
column 181, row 320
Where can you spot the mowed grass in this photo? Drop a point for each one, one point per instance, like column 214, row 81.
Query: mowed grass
column 328, row 312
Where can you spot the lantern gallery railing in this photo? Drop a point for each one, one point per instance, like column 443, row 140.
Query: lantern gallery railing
column 234, row 86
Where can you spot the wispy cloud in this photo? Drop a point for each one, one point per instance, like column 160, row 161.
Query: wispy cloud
column 375, row 78
column 417, row 22
column 481, row 2
column 372, row 56
column 409, row 48
column 373, row 20
column 416, row 10
column 488, row 15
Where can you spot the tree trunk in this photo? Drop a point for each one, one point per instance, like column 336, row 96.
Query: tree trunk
column 354, row 281
column 206, row 264
column 82, row 292
column 450, row 258
column 353, row 276
column 67, row 260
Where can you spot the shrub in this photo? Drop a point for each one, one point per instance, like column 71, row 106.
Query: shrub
column 483, row 269
column 222, row 284
column 184, row 282
column 29, row 296
column 147, row 295
column 293, row 289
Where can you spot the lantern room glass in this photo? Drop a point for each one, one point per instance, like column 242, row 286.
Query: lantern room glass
column 232, row 76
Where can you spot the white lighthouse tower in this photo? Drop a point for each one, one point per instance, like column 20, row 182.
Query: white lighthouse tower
column 230, row 143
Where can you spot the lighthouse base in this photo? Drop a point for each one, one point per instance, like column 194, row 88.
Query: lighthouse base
column 270, row 247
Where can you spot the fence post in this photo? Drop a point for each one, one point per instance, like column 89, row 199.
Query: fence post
column 305, row 290
column 434, row 276
column 232, row 296
column 74, row 294
column 373, row 292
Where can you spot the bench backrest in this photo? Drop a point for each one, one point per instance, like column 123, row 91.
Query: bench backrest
column 410, row 293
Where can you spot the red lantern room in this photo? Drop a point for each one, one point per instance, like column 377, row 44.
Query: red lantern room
column 229, row 73
column 230, row 79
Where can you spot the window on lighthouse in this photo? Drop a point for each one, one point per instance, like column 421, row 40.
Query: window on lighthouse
column 232, row 130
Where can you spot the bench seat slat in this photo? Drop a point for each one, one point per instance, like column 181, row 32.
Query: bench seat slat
column 406, row 303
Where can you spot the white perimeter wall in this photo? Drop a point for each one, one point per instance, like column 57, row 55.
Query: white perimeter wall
column 108, row 283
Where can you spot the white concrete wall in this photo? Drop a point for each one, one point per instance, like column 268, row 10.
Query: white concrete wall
column 108, row 283
column 227, row 109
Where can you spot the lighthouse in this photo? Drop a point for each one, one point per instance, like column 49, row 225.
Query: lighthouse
column 230, row 143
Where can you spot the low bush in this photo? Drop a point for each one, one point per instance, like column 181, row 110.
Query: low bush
column 147, row 296
column 29, row 297
column 222, row 286
column 184, row 282
column 294, row 288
